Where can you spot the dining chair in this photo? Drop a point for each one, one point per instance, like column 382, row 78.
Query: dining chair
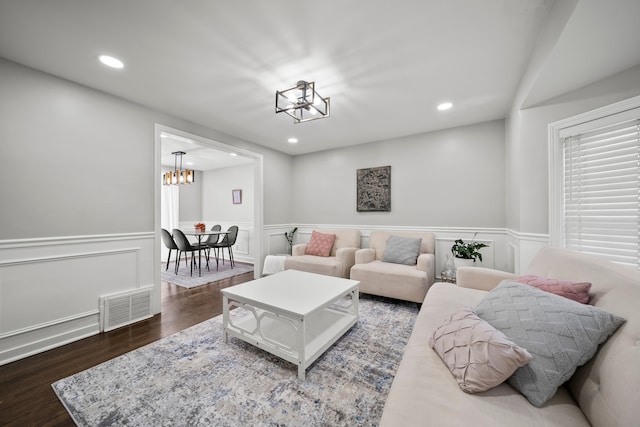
column 168, row 241
column 211, row 240
column 184, row 246
column 227, row 242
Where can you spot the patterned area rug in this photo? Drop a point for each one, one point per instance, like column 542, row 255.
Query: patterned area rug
column 186, row 280
column 192, row 378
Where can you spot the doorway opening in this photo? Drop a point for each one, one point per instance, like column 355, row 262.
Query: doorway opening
column 206, row 199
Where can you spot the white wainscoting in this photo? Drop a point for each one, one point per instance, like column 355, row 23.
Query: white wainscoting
column 50, row 288
column 507, row 250
column 523, row 247
column 276, row 242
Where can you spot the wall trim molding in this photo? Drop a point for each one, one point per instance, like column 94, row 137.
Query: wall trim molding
column 26, row 342
column 33, row 260
column 533, row 237
column 389, row 228
column 49, row 324
column 272, row 229
column 73, row 240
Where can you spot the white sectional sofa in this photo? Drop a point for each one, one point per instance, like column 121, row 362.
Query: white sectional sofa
column 604, row 392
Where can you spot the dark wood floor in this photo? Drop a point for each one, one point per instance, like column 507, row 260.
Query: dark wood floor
column 26, row 396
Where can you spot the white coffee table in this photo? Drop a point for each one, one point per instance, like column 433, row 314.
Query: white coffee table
column 294, row 315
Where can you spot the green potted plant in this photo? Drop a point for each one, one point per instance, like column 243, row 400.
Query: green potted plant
column 289, row 237
column 469, row 251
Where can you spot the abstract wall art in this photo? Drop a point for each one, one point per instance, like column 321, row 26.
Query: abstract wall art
column 374, row 189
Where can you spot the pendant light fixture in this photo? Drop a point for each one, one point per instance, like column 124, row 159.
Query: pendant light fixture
column 178, row 175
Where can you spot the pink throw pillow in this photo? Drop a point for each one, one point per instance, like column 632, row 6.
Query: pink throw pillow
column 576, row 291
column 320, row 244
column 478, row 355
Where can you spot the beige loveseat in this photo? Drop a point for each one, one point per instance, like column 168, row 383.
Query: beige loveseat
column 405, row 282
column 604, row 392
column 337, row 264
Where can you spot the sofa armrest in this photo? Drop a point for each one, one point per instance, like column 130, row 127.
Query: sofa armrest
column 427, row 262
column 298, row 249
column 481, row 278
column 366, row 255
column 347, row 256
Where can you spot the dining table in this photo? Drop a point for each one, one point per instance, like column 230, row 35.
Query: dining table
column 199, row 235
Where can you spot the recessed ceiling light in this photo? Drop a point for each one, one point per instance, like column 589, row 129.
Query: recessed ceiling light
column 445, row 106
column 292, row 140
column 233, row 154
column 110, row 61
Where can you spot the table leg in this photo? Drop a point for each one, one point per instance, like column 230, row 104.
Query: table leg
column 301, row 342
column 225, row 318
column 199, row 256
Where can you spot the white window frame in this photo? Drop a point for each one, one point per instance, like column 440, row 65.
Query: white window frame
column 557, row 130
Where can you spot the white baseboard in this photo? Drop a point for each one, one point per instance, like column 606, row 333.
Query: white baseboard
column 29, row 341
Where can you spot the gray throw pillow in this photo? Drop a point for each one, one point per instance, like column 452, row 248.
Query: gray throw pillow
column 560, row 334
column 402, row 250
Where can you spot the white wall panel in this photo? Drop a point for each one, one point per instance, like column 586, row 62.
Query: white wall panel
column 50, row 288
column 498, row 255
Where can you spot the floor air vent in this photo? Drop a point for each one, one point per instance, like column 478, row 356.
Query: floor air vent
column 123, row 308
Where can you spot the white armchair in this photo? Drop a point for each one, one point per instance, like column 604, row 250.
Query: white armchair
column 337, row 264
column 406, row 282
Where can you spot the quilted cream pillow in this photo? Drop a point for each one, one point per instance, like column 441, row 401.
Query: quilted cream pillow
column 479, row 356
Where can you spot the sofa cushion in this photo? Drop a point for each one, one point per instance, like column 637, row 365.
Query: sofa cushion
column 425, row 393
column 478, row 355
column 320, row 244
column 329, row 266
column 402, row 250
column 560, row 334
column 577, row 291
column 399, row 281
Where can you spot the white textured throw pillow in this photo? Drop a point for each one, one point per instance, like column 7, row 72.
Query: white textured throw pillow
column 479, row 356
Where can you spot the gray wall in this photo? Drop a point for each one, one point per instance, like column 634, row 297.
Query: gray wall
column 191, row 199
column 452, row 178
column 79, row 162
column 527, row 146
column 82, row 162
column 216, row 199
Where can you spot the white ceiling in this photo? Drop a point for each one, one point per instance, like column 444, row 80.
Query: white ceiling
column 197, row 156
column 385, row 65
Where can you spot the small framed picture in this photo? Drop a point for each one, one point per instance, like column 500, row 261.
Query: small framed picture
column 236, row 196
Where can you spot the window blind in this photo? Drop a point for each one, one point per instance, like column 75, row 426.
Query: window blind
column 602, row 191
